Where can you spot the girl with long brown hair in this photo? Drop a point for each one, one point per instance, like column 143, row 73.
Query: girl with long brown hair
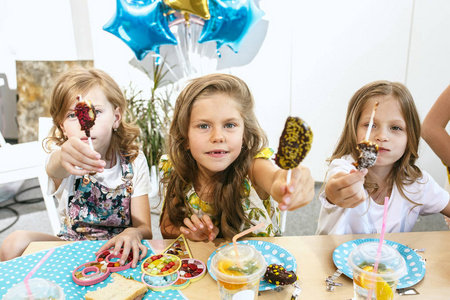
column 217, row 176
column 352, row 201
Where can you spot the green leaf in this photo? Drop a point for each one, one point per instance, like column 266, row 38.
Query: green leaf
column 152, row 115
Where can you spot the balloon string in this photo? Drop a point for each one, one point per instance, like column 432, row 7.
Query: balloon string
column 187, row 33
column 166, row 64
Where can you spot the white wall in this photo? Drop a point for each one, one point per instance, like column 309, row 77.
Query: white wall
column 313, row 56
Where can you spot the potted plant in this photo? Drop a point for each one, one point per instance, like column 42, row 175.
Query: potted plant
column 152, row 114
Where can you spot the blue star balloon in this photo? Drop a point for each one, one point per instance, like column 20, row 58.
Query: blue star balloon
column 142, row 25
column 230, row 22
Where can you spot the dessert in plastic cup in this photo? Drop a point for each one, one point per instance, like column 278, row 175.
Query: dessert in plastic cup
column 382, row 285
column 41, row 289
column 238, row 279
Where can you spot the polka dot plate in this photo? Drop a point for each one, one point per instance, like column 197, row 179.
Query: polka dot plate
column 415, row 263
column 272, row 253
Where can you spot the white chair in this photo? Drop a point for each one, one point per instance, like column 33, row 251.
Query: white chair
column 45, row 124
column 25, row 161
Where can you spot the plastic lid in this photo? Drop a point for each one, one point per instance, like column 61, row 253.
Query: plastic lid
column 250, row 260
column 390, row 257
column 40, row 288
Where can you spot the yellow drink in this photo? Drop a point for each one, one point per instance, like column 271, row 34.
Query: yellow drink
column 238, row 278
column 382, row 284
column 381, row 290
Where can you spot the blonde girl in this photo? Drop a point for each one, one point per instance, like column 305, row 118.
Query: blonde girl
column 352, row 201
column 102, row 193
column 217, row 174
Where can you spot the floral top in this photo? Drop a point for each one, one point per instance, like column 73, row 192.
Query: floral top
column 96, row 212
column 257, row 210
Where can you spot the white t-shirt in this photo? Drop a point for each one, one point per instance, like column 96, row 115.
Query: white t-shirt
column 110, row 178
column 368, row 216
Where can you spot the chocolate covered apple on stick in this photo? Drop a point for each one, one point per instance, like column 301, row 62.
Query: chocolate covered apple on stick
column 368, row 151
column 295, row 143
column 85, row 112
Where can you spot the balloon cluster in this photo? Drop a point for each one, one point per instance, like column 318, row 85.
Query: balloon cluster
column 145, row 25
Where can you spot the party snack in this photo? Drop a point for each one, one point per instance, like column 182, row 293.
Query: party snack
column 368, row 153
column 105, row 263
column 179, row 248
column 85, row 112
column 120, row 288
column 278, row 275
column 295, row 143
column 161, row 265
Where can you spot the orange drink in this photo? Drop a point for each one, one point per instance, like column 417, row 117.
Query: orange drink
column 238, row 278
column 382, row 284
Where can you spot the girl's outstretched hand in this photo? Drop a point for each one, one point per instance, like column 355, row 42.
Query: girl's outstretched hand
column 299, row 191
column 129, row 240
column 346, row 189
column 199, row 229
column 76, row 153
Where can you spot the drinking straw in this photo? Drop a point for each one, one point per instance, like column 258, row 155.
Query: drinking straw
column 369, row 129
column 242, row 234
column 380, row 244
column 25, row 281
column 283, row 219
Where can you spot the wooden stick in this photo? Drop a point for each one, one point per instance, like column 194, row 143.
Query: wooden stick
column 371, row 121
column 284, row 216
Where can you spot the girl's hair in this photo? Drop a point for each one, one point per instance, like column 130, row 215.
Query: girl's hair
column 404, row 171
column 79, row 81
column 226, row 186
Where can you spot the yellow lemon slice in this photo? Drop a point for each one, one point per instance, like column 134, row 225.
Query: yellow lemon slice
column 365, row 282
column 384, row 291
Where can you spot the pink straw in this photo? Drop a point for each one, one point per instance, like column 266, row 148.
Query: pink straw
column 242, row 234
column 25, row 281
column 380, row 244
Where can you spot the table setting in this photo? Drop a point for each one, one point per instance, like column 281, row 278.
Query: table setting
column 312, row 258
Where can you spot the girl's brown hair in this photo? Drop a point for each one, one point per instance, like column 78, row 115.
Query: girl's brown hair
column 404, row 171
column 226, row 186
column 79, row 81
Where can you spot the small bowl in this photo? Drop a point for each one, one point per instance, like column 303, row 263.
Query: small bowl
column 96, row 271
column 194, row 275
column 155, row 265
column 160, row 283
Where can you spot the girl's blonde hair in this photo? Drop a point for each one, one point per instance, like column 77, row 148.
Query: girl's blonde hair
column 227, row 186
column 79, row 81
column 404, row 171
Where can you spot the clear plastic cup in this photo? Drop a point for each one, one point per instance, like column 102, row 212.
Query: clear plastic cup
column 382, row 285
column 238, row 280
column 40, row 289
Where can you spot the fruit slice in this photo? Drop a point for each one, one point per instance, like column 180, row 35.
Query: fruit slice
column 384, row 291
column 363, row 280
column 224, row 267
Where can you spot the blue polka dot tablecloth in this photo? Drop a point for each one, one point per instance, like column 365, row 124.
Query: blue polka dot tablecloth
column 59, row 266
column 415, row 264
